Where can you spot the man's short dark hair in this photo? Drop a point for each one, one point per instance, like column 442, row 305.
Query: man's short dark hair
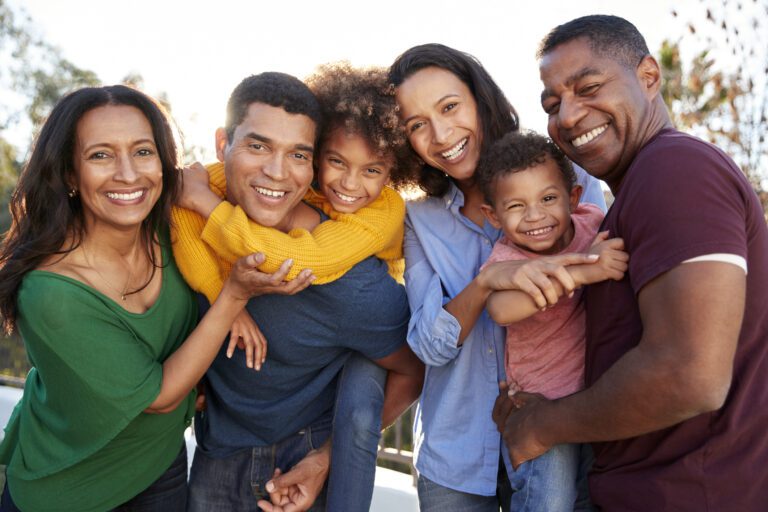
column 515, row 152
column 608, row 36
column 273, row 89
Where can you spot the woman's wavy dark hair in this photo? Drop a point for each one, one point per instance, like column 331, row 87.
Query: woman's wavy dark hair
column 497, row 114
column 43, row 217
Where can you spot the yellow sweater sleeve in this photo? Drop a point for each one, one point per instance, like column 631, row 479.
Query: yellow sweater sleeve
column 330, row 250
column 203, row 270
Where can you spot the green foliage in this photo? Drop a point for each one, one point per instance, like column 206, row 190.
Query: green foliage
column 721, row 94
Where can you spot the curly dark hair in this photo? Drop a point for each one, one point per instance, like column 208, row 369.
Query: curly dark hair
column 273, row 89
column 361, row 101
column 497, row 115
column 517, row 151
column 608, row 36
column 44, row 217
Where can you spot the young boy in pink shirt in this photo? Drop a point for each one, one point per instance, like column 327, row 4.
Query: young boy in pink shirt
column 531, row 195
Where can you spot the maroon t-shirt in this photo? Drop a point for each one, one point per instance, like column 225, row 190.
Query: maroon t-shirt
column 683, row 198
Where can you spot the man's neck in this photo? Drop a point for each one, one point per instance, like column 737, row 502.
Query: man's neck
column 302, row 216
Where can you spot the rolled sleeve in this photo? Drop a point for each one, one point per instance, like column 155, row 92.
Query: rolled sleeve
column 433, row 333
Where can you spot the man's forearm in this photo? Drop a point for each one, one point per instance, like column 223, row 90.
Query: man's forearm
column 638, row 395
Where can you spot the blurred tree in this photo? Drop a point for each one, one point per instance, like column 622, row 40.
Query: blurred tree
column 722, row 94
column 33, row 76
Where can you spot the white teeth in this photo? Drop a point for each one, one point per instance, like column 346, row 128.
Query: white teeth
column 455, row 150
column 540, row 231
column 343, row 197
column 269, row 192
column 583, row 139
column 125, row 197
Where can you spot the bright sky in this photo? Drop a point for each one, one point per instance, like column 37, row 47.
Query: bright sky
column 197, row 51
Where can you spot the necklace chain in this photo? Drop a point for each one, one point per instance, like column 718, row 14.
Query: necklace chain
column 124, row 293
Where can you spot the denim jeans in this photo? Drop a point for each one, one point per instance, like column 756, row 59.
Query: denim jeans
column 167, row 494
column 356, row 433
column 436, row 498
column 237, row 482
column 554, row 481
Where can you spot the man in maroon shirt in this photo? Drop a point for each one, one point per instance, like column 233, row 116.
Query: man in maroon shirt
column 677, row 352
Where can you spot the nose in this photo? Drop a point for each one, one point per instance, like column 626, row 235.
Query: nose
column 570, row 113
column 126, row 171
column 534, row 213
column 441, row 131
column 350, row 180
column 275, row 168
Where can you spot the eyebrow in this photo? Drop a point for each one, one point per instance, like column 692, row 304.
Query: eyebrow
column 449, row 95
column 583, row 72
column 341, row 157
column 267, row 140
column 107, row 144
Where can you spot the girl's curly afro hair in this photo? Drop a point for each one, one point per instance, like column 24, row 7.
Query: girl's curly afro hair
column 362, row 101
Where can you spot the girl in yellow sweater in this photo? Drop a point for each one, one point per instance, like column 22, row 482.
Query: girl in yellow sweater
column 362, row 149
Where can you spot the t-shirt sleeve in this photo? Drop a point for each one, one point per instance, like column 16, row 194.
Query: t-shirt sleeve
column 684, row 203
column 91, row 376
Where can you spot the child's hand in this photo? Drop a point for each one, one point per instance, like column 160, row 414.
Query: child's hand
column 612, row 261
column 195, row 193
column 245, row 334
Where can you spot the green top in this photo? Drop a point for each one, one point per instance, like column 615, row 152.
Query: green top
column 79, row 439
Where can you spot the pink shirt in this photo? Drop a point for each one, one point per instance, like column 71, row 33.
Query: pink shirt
column 545, row 352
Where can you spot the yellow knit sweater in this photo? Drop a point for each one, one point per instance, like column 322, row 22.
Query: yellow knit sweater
column 205, row 251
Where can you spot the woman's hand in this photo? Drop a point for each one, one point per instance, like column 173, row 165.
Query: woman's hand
column 246, row 335
column 196, row 194
column 246, row 280
column 534, row 277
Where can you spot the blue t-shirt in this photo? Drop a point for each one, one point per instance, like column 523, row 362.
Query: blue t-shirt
column 310, row 336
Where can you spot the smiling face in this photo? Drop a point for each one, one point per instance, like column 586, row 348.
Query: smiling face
column 268, row 163
column 442, row 122
column 351, row 175
column 600, row 112
column 118, row 174
column 533, row 208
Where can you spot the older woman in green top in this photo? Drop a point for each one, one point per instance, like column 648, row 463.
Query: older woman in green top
column 88, row 279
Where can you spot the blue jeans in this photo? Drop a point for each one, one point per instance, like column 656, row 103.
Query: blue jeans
column 554, row 481
column 436, row 498
column 237, row 482
column 356, row 433
column 167, row 494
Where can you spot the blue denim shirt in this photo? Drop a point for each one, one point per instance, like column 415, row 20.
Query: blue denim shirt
column 456, row 442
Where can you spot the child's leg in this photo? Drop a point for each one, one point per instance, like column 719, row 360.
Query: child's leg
column 356, row 431
column 547, row 483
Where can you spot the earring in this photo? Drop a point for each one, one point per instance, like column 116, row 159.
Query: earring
column 72, row 192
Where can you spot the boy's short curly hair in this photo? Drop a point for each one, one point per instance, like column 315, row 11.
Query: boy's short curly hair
column 515, row 152
column 362, row 101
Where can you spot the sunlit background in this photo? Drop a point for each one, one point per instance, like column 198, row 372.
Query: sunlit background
column 195, row 52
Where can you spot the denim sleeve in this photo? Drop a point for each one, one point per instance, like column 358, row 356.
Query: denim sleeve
column 593, row 192
column 433, row 333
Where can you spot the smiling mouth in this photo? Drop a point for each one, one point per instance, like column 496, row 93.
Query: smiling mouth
column 344, row 197
column 539, row 231
column 125, row 196
column 589, row 136
column 277, row 194
column 456, row 150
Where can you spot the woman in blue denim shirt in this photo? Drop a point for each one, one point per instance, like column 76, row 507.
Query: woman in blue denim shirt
column 452, row 110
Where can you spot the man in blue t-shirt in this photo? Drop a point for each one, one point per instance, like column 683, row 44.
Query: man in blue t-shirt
column 280, row 417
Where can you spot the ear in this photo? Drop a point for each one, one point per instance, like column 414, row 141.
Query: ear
column 649, row 75
column 222, row 141
column 490, row 214
column 576, row 192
